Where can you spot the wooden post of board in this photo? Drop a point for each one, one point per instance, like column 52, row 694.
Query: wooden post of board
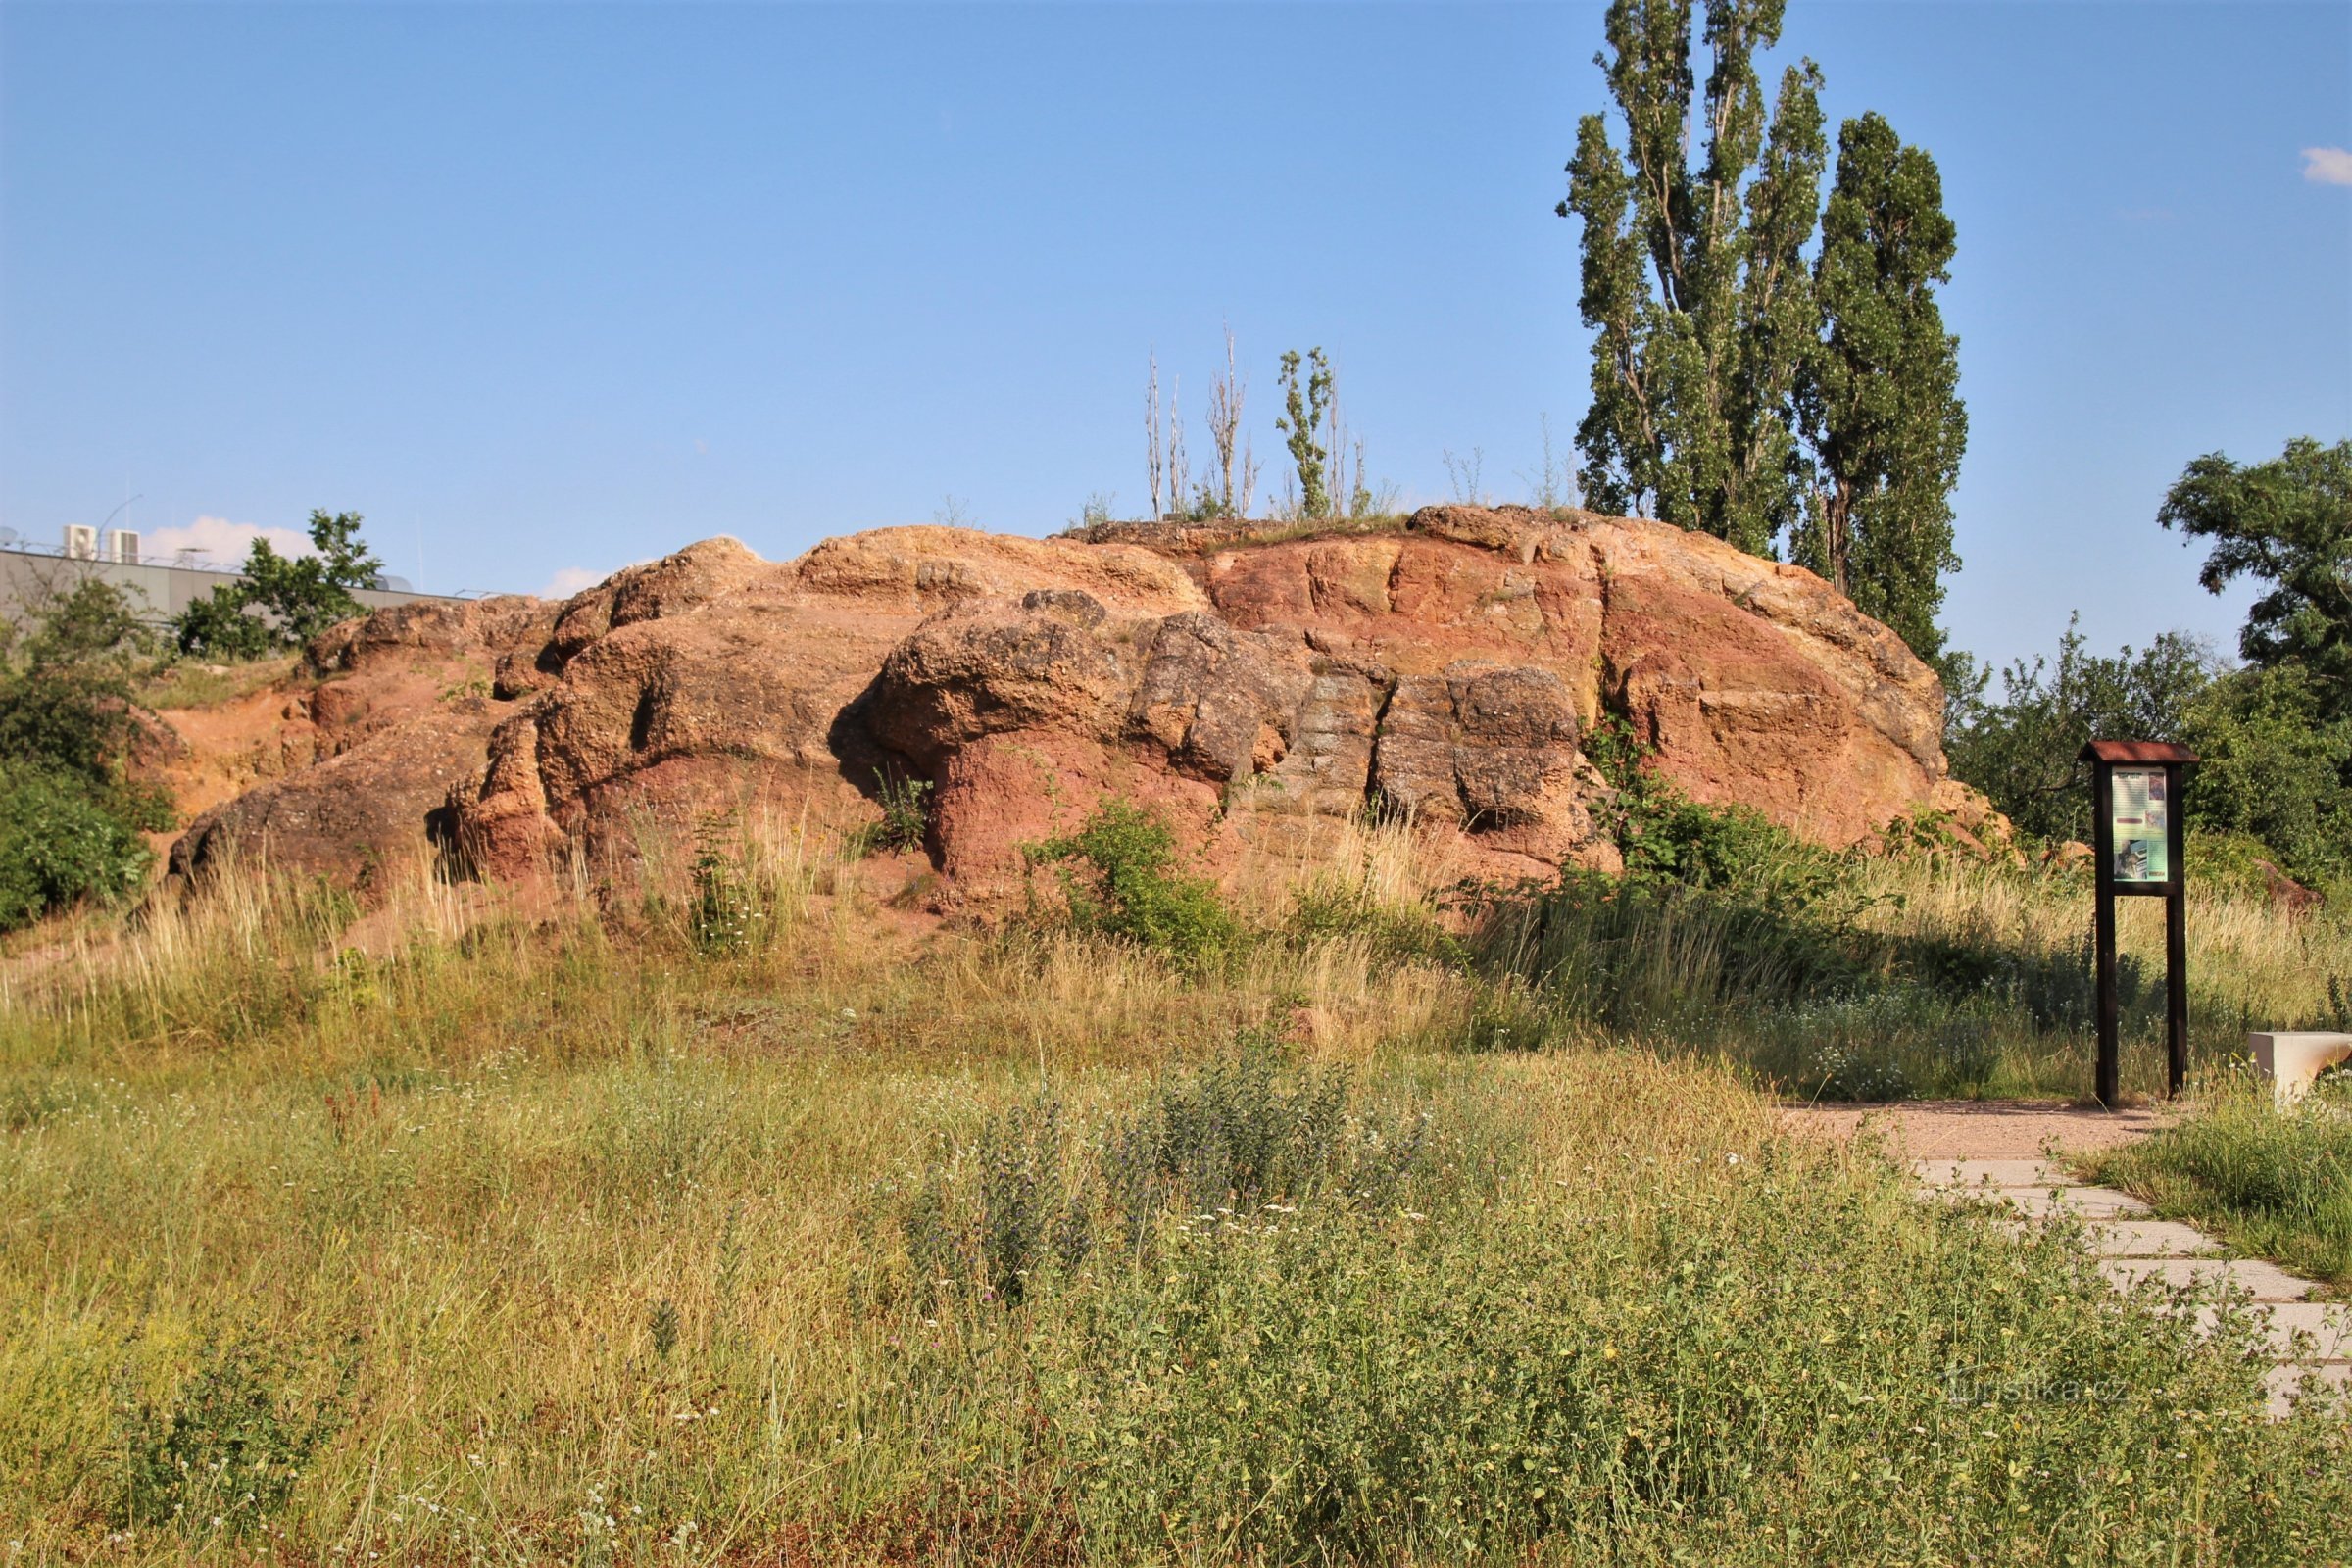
column 2137, row 839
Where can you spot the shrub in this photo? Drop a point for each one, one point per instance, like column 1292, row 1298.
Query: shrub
column 70, row 816
column 1332, row 906
column 1026, row 1206
column 723, row 914
column 1118, row 877
column 61, row 841
column 1666, row 836
column 227, row 1453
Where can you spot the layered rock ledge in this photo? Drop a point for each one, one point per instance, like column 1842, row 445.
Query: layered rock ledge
column 1452, row 670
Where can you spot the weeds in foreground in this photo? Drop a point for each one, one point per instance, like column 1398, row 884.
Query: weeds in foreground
column 601, row 1243
column 906, row 817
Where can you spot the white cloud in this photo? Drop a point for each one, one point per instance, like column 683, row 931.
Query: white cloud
column 218, row 542
column 569, row 580
column 2328, row 165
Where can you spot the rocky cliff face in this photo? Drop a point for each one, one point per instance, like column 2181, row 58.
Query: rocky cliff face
column 1451, row 669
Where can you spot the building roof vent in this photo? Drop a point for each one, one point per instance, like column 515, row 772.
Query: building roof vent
column 81, row 541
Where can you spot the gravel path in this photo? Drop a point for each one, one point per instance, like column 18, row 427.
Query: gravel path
column 1977, row 1129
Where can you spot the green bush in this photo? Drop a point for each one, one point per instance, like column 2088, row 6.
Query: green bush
column 1027, row 1204
column 1118, row 875
column 905, row 816
column 70, row 816
column 229, row 1451
column 1664, row 835
column 1332, row 906
column 722, row 914
column 62, row 840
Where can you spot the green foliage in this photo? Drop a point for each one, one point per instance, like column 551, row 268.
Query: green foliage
column 1693, row 279
column 1728, row 375
column 1581, row 1350
column 1879, row 399
column 70, row 816
column 1727, row 929
column 219, row 627
column 282, row 601
column 2020, row 749
column 2286, row 523
column 905, row 816
column 66, row 681
column 1303, row 410
column 2277, row 766
column 63, row 839
column 1118, row 873
column 228, row 1452
column 1664, row 835
column 1022, row 1209
column 1331, row 907
column 723, row 914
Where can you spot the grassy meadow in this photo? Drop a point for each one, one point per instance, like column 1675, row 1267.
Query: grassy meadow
column 710, row 1217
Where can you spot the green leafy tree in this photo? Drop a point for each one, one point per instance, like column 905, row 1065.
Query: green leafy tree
column 283, row 601
column 67, row 674
column 2020, row 748
column 70, row 815
column 2286, row 523
column 1735, row 389
column 1693, row 277
column 1304, row 408
column 1878, row 397
column 2277, row 766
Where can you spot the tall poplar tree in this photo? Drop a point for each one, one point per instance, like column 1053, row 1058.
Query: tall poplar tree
column 1736, row 388
column 1880, row 399
column 1693, row 277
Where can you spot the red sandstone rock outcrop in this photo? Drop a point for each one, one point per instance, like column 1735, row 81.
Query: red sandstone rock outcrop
column 1450, row 670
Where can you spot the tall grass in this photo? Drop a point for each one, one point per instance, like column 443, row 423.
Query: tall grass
column 1904, row 976
column 541, row 1223
column 669, row 1306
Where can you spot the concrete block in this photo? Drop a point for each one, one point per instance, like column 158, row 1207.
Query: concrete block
column 2284, row 1380
column 2329, row 1326
column 1990, row 1173
column 2291, row 1059
column 2089, row 1203
column 2265, row 1282
column 2148, row 1238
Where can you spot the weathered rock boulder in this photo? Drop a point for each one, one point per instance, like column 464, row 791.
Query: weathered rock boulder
column 387, row 713
column 1451, row 669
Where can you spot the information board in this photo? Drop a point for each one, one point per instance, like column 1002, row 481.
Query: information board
column 2136, row 806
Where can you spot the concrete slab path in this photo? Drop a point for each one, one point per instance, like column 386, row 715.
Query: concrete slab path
column 2309, row 1338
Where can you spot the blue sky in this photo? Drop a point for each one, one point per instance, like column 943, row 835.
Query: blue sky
column 543, row 290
